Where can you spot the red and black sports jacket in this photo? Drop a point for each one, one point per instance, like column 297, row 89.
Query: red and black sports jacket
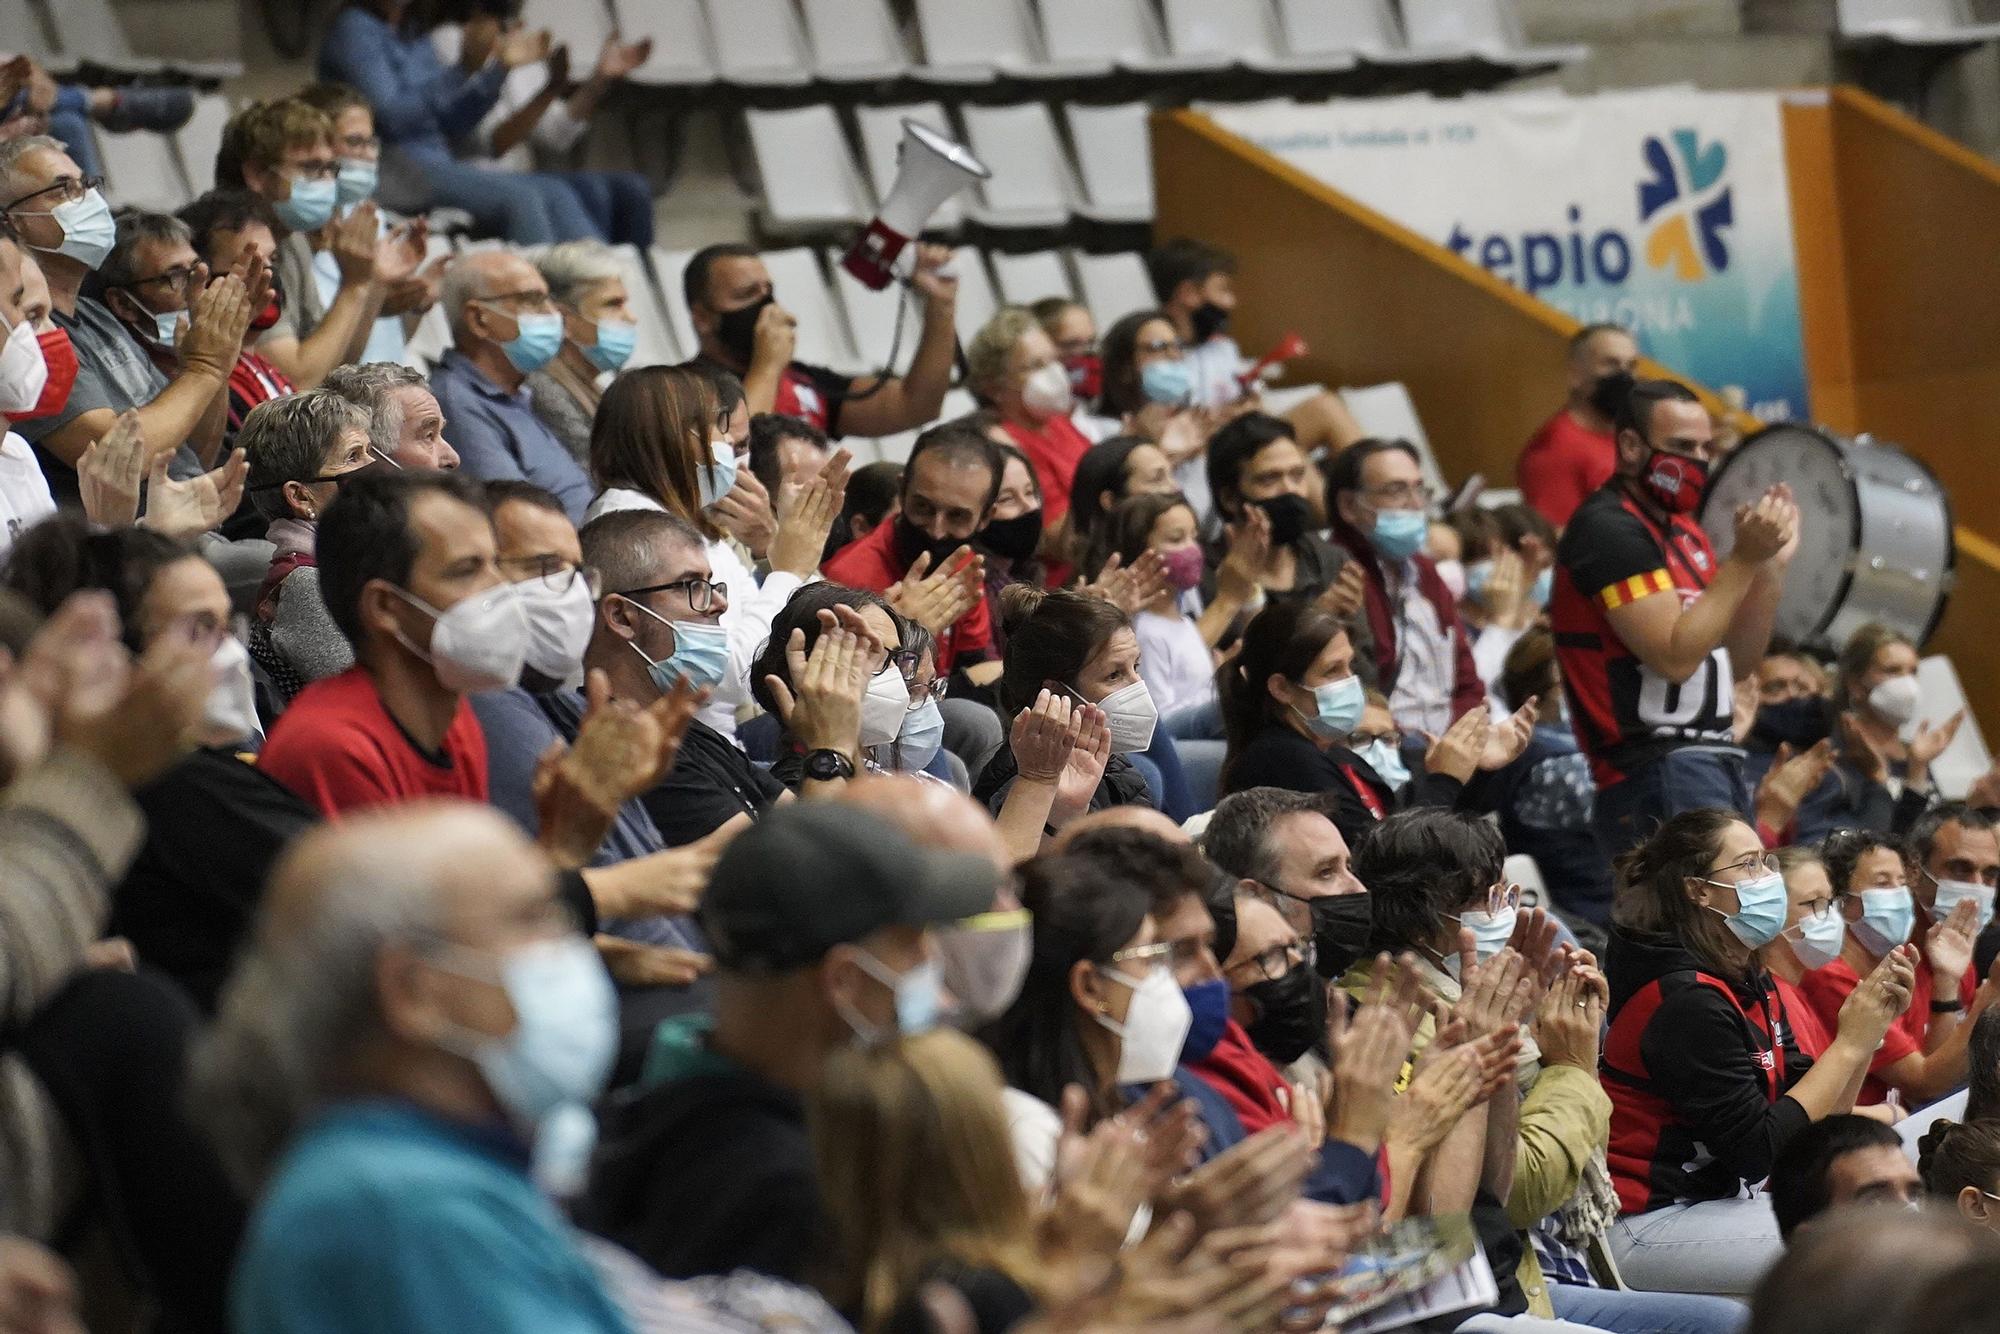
column 1697, row 1070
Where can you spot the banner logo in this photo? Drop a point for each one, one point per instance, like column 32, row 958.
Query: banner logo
column 1691, row 203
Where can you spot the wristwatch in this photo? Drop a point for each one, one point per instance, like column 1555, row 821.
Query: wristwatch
column 824, row 766
column 1951, row 1006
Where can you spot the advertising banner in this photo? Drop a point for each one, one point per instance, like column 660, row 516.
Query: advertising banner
column 1665, row 210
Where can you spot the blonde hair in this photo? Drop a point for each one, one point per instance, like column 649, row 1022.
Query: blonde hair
column 652, row 433
column 987, row 354
column 262, row 133
column 1857, row 655
column 916, row 1166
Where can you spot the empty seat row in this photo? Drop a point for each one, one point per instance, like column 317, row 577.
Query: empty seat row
column 1101, row 171
column 1915, row 22
column 62, row 35
column 763, row 44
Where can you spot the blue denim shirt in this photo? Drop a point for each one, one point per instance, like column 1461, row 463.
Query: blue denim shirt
column 419, row 101
column 497, row 434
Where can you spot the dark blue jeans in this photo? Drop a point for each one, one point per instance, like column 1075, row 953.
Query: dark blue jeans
column 619, row 202
column 1686, row 779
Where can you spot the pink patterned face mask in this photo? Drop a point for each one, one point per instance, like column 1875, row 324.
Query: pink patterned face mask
column 1184, row 566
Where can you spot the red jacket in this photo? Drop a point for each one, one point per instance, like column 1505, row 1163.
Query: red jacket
column 1467, row 690
column 871, row 563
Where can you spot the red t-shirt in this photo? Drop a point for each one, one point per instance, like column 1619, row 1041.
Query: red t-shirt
column 871, row 563
column 1561, row 464
column 1808, row 1032
column 1246, row 1079
column 1054, row 451
column 1826, row 988
column 338, row 748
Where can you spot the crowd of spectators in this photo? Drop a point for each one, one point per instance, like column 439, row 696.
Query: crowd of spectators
column 537, row 843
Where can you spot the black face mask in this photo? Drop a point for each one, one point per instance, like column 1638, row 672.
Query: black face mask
column 1013, row 539
column 1800, row 723
column 1208, row 320
column 737, row 329
column 1340, row 924
column 1290, row 516
column 1291, row 1015
column 1608, row 395
column 911, row 542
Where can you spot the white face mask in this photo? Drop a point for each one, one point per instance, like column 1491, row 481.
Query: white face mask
column 1896, row 699
column 1155, row 1028
column 23, row 370
column 1453, row 574
column 1046, row 392
column 478, row 643
column 1132, row 715
column 559, row 626
column 883, row 707
column 230, row 715
column 1951, row 893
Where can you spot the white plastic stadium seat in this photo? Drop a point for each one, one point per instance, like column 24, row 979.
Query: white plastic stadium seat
column 1966, row 760
column 853, row 41
column 807, row 172
column 1386, row 412
column 656, row 345
column 1488, row 29
column 801, row 288
column 976, row 298
column 140, row 170
column 758, row 43
column 882, row 141
column 1123, row 32
column 1026, row 279
column 1113, row 286
column 1914, row 22
column 1365, row 28
column 432, row 335
column 1114, row 156
column 1242, row 31
column 871, row 316
column 1032, row 185
column 200, row 139
column 683, row 56
column 670, row 265
column 974, row 41
column 24, row 34
column 581, row 25
column 896, row 448
column 87, row 30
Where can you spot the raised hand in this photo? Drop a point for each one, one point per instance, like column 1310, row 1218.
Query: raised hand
column 212, row 338
column 1498, row 994
column 1369, row 1051
column 936, row 599
column 111, row 472
column 353, row 242
column 199, row 504
column 1861, row 752
column 137, row 718
column 400, row 253
column 1879, row 1000
column 932, row 273
column 1444, row 1088
column 777, row 336
column 1249, row 1183
column 1085, row 768
column 806, row 515
column 1768, row 527
column 1568, row 1022
column 1103, row 1175
column 1506, row 594
column 1789, row 780
column 618, row 59
column 1743, row 710
column 1042, row 737
column 822, row 710
column 1457, row 753
column 1349, row 589
column 745, row 512
column 1927, row 744
column 633, row 964
column 1948, row 947
column 1507, row 738
column 1237, row 578
column 522, row 46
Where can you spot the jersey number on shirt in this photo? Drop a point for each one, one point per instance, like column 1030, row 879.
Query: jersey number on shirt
column 1672, row 709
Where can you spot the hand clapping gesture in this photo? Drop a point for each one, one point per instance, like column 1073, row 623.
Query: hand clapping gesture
column 936, row 599
column 806, row 514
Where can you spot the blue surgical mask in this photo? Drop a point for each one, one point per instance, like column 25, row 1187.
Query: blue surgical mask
column 1543, row 588
column 1338, row 706
column 1887, row 915
column 309, row 207
column 356, row 181
column 701, row 653
column 1951, row 893
column 1209, row 1003
column 1477, row 576
column 89, row 231
column 613, row 348
column 1400, row 534
column 1490, row 930
column 716, row 481
column 922, row 734
column 918, row 998
column 1168, row 382
column 165, row 322
column 1761, row 904
column 1385, row 757
column 536, row 341
column 565, row 1034
column 1817, row 940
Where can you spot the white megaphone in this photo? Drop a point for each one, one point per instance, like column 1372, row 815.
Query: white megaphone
column 930, row 170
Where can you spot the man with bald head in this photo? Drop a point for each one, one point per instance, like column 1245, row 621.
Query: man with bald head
column 1143, row 818
column 416, row 1021
column 503, row 327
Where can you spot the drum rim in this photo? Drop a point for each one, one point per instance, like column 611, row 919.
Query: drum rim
column 1818, row 632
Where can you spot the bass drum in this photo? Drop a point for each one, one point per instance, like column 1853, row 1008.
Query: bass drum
column 1875, row 538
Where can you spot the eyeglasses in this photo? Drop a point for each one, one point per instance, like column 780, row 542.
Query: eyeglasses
column 701, row 593
column 181, row 280
column 1500, row 898
column 1280, row 960
column 360, row 143
column 314, row 169
column 1161, row 345
column 1757, row 863
column 1157, row 952
column 68, row 190
column 921, row 695
column 551, row 572
column 1821, row 909
column 535, row 303
column 1401, row 495
column 1356, row 740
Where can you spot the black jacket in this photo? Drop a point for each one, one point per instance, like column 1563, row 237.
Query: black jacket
column 1122, row 785
column 1279, row 757
column 1697, row 1070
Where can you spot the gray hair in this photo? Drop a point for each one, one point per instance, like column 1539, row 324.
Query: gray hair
column 986, row 356
column 302, row 998
column 624, row 546
column 135, row 228
column 288, row 440
column 572, row 268
column 1238, row 836
column 13, row 150
column 372, row 388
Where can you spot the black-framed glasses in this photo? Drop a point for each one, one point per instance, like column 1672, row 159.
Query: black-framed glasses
column 70, row 188
column 701, row 593
column 552, row 572
column 182, row 280
column 1280, row 960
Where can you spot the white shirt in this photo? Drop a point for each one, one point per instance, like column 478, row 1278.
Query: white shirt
column 751, row 607
column 555, row 133
column 24, row 493
column 1174, row 661
column 1212, row 370
column 1426, row 669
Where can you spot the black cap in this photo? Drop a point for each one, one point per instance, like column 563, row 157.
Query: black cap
column 812, row 875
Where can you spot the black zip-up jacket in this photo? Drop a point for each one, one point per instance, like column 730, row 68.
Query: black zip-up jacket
column 1697, row 1070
